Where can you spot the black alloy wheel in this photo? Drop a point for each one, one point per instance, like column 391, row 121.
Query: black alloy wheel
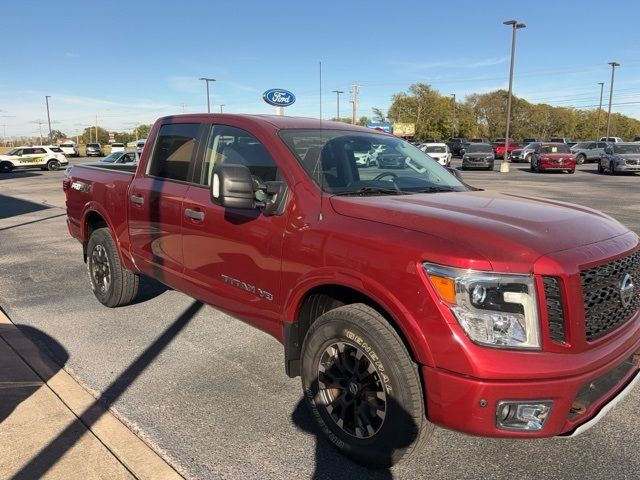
column 580, row 159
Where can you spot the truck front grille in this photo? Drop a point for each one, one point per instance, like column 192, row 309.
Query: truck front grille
column 555, row 309
column 604, row 310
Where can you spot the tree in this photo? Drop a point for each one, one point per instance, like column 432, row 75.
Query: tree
column 363, row 121
column 57, row 135
column 378, row 116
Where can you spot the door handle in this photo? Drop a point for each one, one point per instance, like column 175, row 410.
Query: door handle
column 137, row 199
column 194, row 214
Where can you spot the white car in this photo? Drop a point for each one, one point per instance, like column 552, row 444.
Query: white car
column 140, row 145
column 70, row 149
column 45, row 157
column 611, row 139
column 117, row 147
column 438, row 151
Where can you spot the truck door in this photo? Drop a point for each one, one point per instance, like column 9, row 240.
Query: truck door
column 155, row 203
column 232, row 258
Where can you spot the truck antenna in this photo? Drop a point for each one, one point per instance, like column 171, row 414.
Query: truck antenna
column 319, row 160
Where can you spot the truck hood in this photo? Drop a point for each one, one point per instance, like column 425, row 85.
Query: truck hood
column 509, row 231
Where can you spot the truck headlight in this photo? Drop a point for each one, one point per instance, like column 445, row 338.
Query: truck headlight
column 493, row 309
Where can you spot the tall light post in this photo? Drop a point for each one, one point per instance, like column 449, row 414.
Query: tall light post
column 613, row 71
column 46, row 99
column 337, row 92
column 599, row 110
column 221, row 105
column 453, row 123
column 206, row 81
column 515, row 25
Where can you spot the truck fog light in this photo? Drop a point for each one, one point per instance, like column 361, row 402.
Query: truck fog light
column 523, row 415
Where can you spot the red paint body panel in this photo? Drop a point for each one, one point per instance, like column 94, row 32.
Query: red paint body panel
column 376, row 246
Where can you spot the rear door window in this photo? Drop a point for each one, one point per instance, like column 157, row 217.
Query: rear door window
column 175, row 151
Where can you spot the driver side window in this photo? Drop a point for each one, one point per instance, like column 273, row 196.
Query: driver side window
column 233, row 145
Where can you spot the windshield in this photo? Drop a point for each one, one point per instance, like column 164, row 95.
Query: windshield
column 435, row 149
column 532, row 145
column 92, row 145
column 555, row 149
column 117, row 144
column 350, row 162
column 14, row 151
column 626, row 148
column 66, row 145
column 479, row 148
column 112, row 158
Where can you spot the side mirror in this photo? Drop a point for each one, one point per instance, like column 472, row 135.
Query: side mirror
column 232, row 186
column 456, row 173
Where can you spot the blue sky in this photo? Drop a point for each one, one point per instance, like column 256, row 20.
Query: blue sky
column 131, row 62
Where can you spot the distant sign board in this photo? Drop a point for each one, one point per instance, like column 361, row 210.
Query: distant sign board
column 279, row 97
column 383, row 126
column 404, row 129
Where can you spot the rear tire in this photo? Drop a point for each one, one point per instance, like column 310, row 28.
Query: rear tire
column 112, row 284
column 600, row 167
column 612, row 168
column 362, row 387
column 571, row 171
column 6, row 167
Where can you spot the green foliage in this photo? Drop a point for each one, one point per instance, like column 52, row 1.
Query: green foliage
column 363, row 121
column 484, row 115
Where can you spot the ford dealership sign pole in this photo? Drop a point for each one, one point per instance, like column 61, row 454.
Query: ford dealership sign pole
column 279, row 98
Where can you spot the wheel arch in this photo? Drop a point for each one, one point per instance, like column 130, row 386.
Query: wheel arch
column 320, row 298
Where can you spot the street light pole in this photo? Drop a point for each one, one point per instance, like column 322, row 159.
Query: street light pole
column 46, row 99
column 504, row 166
column 453, row 123
column 221, row 105
column 337, row 92
column 613, row 71
column 599, row 110
column 206, row 81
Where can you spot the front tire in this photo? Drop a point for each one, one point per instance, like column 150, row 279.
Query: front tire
column 53, row 165
column 112, row 284
column 612, row 168
column 580, row 159
column 362, row 387
column 6, row 167
column 600, row 167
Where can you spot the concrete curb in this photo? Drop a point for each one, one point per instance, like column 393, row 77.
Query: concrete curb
column 143, row 462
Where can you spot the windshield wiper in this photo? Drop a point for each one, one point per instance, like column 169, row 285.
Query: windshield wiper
column 435, row 190
column 373, row 191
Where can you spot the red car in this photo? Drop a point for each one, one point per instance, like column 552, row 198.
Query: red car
column 402, row 297
column 498, row 148
column 553, row 157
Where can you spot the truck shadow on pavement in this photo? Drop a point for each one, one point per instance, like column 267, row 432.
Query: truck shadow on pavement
column 17, row 381
column 11, row 206
column 14, row 175
column 39, row 465
column 330, row 463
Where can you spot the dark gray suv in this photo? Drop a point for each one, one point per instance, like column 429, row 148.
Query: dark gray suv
column 588, row 151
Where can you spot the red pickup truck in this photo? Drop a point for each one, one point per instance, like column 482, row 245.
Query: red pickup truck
column 403, row 297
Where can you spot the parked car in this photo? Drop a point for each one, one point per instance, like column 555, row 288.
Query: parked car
column 391, row 158
column 478, row 155
column 70, row 149
column 402, row 298
column 438, row 151
column 636, row 139
column 140, row 145
column 620, row 157
column 480, row 140
column 117, row 147
column 553, row 156
column 119, row 157
column 527, row 141
column 611, row 139
column 44, row 156
column 430, row 140
column 94, row 150
column 498, row 148
column 455, row 144
column 523, row 154
column 588, row 151
column 564, row 140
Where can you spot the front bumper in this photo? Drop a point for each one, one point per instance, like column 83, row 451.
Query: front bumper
column 558, row 166
column 624, row 167
column 477, row 163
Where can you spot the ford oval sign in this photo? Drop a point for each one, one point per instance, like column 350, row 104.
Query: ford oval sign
column 279, row 97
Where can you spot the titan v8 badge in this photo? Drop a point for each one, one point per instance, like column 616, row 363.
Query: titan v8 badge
column 248, row 287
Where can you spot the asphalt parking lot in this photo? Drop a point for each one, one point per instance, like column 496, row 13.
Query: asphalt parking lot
column 210, row 393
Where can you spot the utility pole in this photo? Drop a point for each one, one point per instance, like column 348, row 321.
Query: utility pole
column 183, row 107
column 613, row 71
column 4, row 135
column 46, row 99
column 355, row 101
column 504, row 166
column 206, row 81
column 337, row 92
column 453, row 123
column 221, row 105
column 97, row 128
column 599, row 110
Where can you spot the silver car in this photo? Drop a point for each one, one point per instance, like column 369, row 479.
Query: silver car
column 620, row 157
column 523, row 154
column 588, row 151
